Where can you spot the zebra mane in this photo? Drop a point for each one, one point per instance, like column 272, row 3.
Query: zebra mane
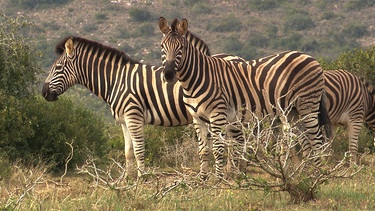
column 198, row 43
column 60, row 47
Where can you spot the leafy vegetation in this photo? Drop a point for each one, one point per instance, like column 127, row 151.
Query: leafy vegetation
column 140, row 14
column 32, row 129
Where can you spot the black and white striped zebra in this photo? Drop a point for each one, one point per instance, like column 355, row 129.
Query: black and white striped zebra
column 215, row 90
column 350, row 102
column 134, row 92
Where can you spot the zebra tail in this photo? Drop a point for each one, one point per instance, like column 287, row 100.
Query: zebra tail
column 324, row 120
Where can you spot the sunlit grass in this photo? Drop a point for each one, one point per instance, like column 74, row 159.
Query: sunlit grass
column 181, row 191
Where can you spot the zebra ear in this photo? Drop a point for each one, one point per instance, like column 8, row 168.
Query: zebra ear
column 163, row 25
column 69, row 48
column 182, row 26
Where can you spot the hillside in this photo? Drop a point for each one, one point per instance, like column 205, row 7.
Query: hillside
column 248, row 28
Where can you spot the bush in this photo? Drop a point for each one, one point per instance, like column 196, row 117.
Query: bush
column 263, row 4
column 355, row 31
column 56, row 124
column 90, row 28
column 358, row 4
column 359, row 61
column 18, row 68
column 101, row 16
column 140, row 14
column 144, row 30
column 201, row 8
column 298, row 22
column 227, row 24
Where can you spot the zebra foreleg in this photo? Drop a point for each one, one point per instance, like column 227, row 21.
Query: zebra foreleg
column 236, row 149
column 203, row 148
column 129, row 153
column 135, row 127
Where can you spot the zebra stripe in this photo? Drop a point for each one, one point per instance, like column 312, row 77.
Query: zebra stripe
column 215, row 90
column 350, row 102
column 133, row 91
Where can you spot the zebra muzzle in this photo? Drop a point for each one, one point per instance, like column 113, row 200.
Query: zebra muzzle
column 48, row 94
column 169, row 71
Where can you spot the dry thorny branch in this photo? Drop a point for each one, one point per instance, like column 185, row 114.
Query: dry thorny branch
column 28, row 179
column 270, row 147
column 274, row 148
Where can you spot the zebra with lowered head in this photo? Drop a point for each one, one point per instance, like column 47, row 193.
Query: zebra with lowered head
column 216, row 90
column 135, row 92
column 350, row 102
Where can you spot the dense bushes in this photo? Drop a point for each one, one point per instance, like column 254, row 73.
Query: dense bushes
column 362, row 63
column 30, row 127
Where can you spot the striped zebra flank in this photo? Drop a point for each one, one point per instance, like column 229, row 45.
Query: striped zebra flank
column 216, row 90
column 134, row 92
column 350, row 102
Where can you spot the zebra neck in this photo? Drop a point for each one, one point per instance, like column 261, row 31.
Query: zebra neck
column 193, row 70
column 105, row 76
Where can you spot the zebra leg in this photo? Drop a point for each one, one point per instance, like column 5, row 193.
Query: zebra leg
column 218, row 146
column 203, row 147
column 129, row 153
column 136, row 131
column 353, row 128
column 236, row 149
column 314, row 142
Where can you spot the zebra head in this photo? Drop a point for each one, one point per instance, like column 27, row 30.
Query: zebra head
column 61, row 75
column 173, row 46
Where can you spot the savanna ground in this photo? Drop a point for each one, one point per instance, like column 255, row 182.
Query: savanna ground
column 172, row 189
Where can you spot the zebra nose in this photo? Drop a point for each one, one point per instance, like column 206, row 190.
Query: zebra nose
column 45, row 89
column 47, row 94
column 169, row 71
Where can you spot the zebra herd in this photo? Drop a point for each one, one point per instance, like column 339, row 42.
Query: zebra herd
column 210, row 91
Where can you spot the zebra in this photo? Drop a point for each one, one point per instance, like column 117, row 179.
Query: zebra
column 350, row 102
column 134, row 92
column 216, row 89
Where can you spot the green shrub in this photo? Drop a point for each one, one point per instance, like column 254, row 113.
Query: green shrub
column 201, row 8
column 56, row 124
column 298, row 22
column 190, row 2
column 144, row 30
column 90, row 28
column 355, row 31
column 360, row 61
column 51, row 25
column 140, row 14
column 101, row 16
column 264, row 4
column 227, row 24
column 358, row 4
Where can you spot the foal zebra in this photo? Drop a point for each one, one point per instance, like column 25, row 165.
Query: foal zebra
column 134, row 92
column 350, row 102
column 215, row 90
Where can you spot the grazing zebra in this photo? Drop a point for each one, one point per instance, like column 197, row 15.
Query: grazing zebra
column 216, row 90
column 350, row 102
column 133, row 91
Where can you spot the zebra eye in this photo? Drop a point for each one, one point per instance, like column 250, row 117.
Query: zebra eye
column 58, row 67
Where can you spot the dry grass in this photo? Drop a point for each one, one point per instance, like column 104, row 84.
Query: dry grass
column 173, row 190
